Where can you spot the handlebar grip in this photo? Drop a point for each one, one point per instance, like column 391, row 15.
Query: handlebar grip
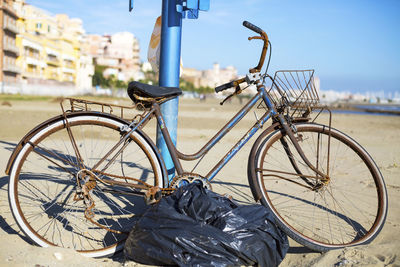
column 229, row 85
column 252, row 27
column 224, row 87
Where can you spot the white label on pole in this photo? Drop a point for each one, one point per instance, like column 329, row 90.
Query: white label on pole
column 153, row 53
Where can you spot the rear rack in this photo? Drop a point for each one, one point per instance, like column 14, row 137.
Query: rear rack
column 124, row 112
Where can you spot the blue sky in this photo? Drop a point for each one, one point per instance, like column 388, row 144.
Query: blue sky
column 352, row 44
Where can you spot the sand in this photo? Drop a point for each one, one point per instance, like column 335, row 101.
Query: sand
column 198, row 122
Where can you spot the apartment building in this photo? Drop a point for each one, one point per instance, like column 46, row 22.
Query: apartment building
column 118, row 53
column 211, row 77
column 9, row 72
column 50, row 48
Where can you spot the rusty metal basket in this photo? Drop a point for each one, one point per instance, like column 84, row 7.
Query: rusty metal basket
column 294, row 91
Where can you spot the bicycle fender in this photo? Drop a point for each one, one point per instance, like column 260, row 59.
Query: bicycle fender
column 21, row 143
column 44, row 124
column 251, row 172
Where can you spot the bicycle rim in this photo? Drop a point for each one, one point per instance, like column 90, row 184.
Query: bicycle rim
column 348, row 210
column 44, row 177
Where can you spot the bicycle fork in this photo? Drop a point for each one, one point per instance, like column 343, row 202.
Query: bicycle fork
column 323, row 178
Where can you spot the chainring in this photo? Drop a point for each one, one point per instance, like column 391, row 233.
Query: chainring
column 189, row 178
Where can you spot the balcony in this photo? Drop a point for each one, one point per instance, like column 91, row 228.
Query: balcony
column 11, row 48
column 52, row 57
column 35, row 62
column 53, row 61
column 11, row 27
column 11, row 68
column 68, row 70
column 32, row 45
column 8, row 8
column 70, row 65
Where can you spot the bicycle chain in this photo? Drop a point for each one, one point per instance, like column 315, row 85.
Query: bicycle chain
column 190, row 177
column 85, row 196
column 167, row 190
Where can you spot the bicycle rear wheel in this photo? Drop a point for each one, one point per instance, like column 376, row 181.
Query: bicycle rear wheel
column 350, row 209
column 44, row 175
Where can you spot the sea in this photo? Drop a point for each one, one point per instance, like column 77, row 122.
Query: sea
column 378, row 110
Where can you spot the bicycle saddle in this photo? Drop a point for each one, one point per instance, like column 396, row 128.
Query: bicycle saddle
column 151, row 91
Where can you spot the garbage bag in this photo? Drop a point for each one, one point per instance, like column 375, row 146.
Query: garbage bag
column 197, row 227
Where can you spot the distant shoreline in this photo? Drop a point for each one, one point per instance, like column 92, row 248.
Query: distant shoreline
column 382, row 109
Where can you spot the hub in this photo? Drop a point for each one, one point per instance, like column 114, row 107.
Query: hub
column 86, row 181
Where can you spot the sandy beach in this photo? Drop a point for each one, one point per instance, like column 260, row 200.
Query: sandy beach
column 198, row 122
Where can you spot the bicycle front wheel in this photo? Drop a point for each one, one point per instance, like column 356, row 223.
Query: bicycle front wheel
column 43, row 190
column 348, row 209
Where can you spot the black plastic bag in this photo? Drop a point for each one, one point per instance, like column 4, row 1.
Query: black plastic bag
column 197, row 227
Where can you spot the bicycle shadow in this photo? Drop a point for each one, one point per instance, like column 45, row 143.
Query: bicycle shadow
column 239, row 191
column 10, row 146
column 300, row 250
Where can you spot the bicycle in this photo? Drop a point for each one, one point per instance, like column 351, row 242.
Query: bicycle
column 78, row 180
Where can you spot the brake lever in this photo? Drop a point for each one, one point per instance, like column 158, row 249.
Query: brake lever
column 237, row 92
column 256, row 37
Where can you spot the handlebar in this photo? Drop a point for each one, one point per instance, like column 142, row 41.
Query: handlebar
column 253, row 27
column 229, row 85
column 263, row 36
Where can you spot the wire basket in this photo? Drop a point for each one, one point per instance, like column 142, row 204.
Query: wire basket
column 294, row 91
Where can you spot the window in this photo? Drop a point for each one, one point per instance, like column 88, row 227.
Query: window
column 52, row 58
column 31, row 68
column 38, row 25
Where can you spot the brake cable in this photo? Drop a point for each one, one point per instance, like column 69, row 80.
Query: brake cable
column 269, row 60
column 238, row 91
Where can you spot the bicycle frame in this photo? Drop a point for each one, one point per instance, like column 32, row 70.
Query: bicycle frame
column 177, row 156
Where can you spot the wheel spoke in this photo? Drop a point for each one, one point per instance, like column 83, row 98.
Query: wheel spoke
column 335, row 213
column 46, row 183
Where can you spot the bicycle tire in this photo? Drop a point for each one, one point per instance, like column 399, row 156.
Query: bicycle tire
column 327, row 218
column 43, row 181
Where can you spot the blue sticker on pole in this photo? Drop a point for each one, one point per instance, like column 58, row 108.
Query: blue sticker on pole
column 192, row 4
column 192, row 7
column 193, row 14
column 204, row 5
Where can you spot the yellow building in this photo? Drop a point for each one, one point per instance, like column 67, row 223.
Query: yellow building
column 9, row 71
column 49, row 45
column 30, row 59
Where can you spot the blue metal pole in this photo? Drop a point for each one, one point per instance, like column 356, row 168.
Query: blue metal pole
column 170, row 57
